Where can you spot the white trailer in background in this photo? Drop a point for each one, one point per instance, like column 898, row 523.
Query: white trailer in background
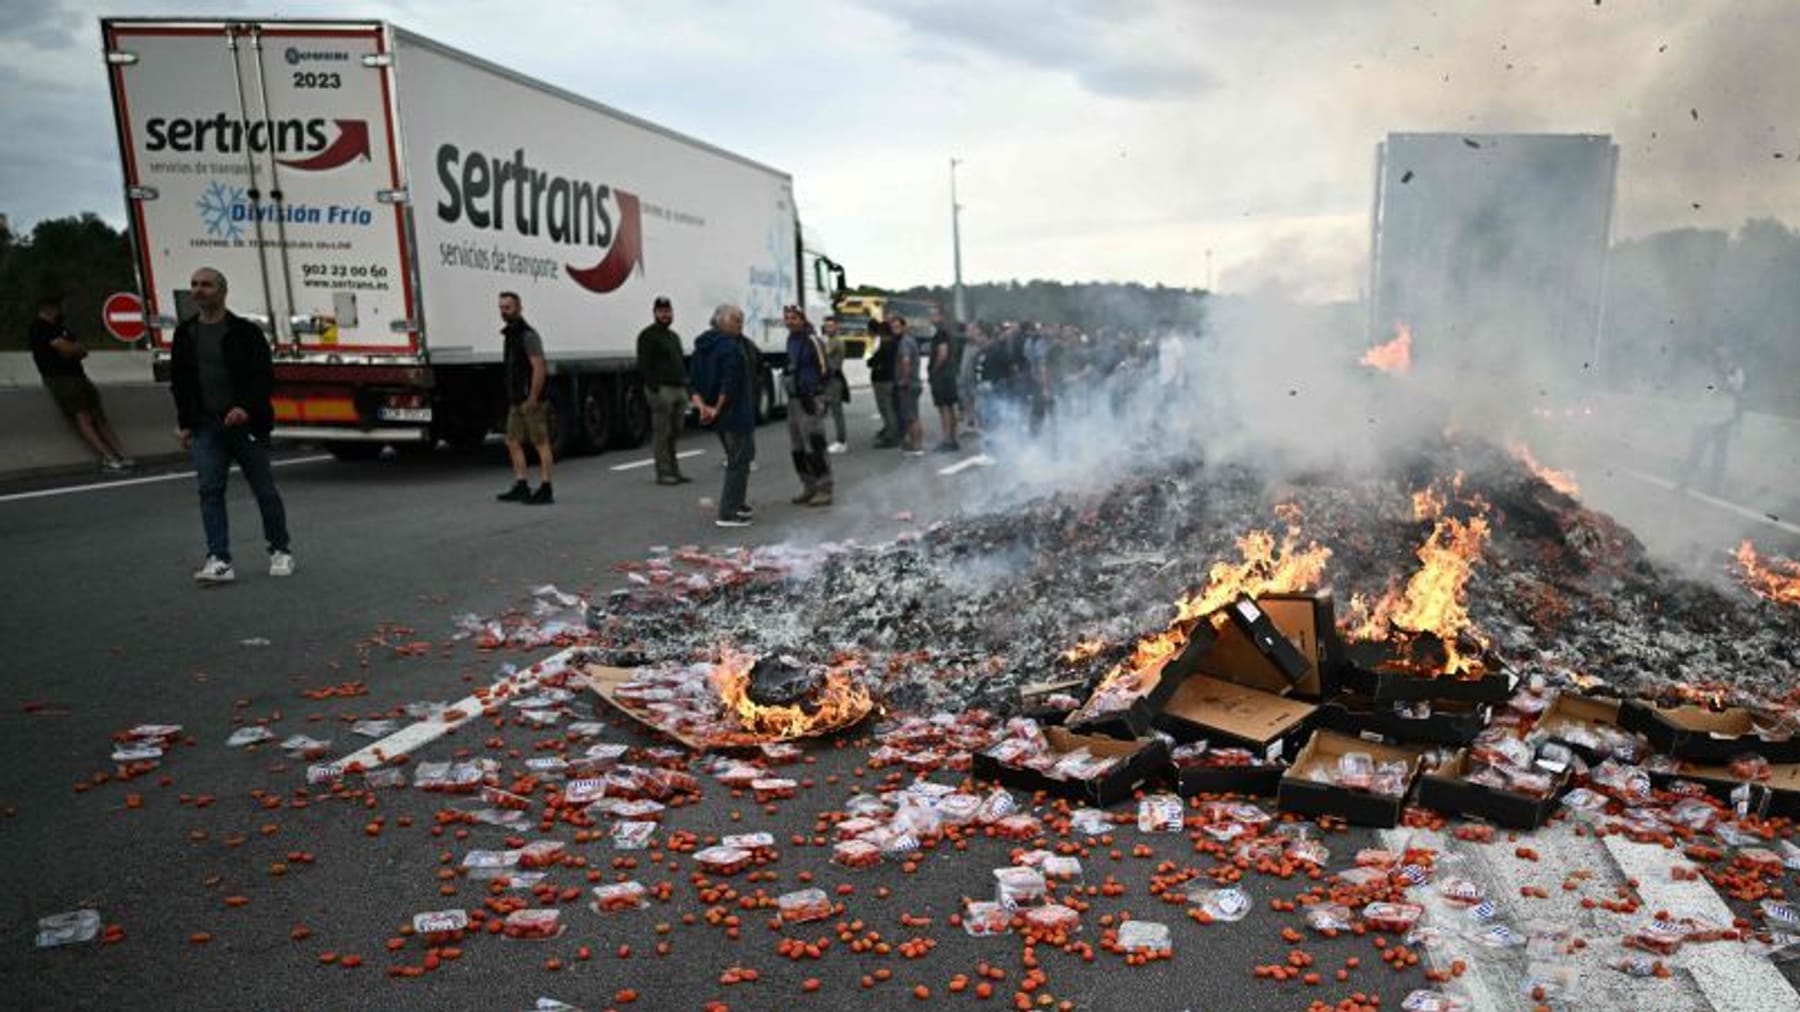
column 369, row 193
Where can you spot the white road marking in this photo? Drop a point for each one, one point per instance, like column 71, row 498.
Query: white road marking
column 647, row 461
column 1500, row 979
column 979, row 460
column 98, row 486
column 414, row 736
column 1714, row 501
column 1730, row 977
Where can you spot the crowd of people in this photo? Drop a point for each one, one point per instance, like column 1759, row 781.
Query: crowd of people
column 981, row 377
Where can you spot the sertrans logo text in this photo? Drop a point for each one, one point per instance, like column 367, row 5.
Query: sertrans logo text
column 313, row 143
column 481, row 188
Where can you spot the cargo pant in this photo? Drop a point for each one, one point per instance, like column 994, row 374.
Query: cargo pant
column 884, row 402
column 834, row 403
column 806, row 441
column 668, row 412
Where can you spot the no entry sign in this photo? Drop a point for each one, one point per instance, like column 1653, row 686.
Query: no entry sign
column 123, row 316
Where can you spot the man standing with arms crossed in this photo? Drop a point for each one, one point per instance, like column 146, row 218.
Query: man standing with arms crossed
column 526, row 374
column 221, row 377
column 665, row 381
column 58, row 357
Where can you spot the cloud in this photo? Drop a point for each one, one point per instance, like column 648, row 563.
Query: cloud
column 1092, row 44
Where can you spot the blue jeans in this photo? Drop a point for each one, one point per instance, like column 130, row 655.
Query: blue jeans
column 740, row 450
column 215, row 447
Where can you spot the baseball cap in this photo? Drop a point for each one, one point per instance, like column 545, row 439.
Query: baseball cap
column 662, row 302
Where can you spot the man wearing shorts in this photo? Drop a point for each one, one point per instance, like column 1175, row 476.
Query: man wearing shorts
column 525, row 419
column 58, row 356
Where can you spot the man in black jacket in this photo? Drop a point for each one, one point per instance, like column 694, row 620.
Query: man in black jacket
column 222, row 379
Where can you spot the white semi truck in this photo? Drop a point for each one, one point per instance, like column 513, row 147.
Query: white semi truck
column 369, row 193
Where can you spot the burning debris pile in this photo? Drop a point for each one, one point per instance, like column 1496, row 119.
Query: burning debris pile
column 1489, row 566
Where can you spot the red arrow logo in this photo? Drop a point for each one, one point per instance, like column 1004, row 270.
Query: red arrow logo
column 352, row 142
column 627, row 251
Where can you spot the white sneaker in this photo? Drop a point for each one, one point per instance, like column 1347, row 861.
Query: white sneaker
column 281, row 564
column 738, row 521
column 837, row 448
column 115, row 465
column 214, row 572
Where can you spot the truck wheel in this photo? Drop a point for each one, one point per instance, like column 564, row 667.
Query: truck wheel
column 353, row 451
column 596, row 418
column 634, row 417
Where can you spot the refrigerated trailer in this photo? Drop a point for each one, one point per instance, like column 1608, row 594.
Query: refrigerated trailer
column 368, row 194
column 1492, row 249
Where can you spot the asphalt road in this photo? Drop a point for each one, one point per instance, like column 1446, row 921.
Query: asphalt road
column 104, row 630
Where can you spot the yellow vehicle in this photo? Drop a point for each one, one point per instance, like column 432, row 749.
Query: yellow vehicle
column 856, row 312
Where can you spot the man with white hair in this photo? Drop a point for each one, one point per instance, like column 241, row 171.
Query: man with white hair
column 719, row 380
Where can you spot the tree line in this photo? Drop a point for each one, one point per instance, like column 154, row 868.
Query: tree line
column 1671, row 298
column 82, row 259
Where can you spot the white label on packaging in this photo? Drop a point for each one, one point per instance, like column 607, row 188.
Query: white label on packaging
column 440, row 920
column 324, row 772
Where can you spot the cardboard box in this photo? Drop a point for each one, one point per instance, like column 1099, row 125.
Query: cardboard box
column 1444, row 790
column 1143, row 759
column 1373, row 669
column 1569, row 710
column 1703, row 735
column 1136, row 720
column 1260, row 780
column 1300, row 794
column 1032, row 700
column 1245, row 649
column 1224, row 713
column 1452, row 722
column 1778, row 796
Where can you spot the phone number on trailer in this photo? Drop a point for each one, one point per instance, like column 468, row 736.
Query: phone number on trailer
column 374, row 272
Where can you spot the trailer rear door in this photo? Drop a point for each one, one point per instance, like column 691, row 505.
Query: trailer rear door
column 269, row 152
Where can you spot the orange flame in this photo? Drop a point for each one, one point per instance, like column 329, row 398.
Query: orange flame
column 1083, row 650
column 1561, row 481
column 1776, row 579
column 1394, row 356
column 1434, row 600
column 840, row 703
column 1266, row 567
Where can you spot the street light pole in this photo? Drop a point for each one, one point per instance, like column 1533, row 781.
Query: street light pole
column 956, row 243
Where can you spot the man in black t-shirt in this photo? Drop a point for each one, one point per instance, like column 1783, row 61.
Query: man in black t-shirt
column 944, row 354
column 58, row 357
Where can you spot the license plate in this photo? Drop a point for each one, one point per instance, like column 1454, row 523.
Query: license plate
column 404, row 414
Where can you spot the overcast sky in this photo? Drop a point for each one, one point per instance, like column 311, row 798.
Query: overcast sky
column 1100, row 141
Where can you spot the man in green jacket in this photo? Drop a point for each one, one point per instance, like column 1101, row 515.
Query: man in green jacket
column 665, row 383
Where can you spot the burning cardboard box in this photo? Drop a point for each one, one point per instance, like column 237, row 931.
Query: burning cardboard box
column 717, row 706
column 1234, row 696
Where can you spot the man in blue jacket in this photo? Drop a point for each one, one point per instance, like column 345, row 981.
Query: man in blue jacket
column 719, row 378
column 806, row 371
column 223, row 380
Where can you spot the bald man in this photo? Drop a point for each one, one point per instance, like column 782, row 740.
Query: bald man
column 222, row 378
